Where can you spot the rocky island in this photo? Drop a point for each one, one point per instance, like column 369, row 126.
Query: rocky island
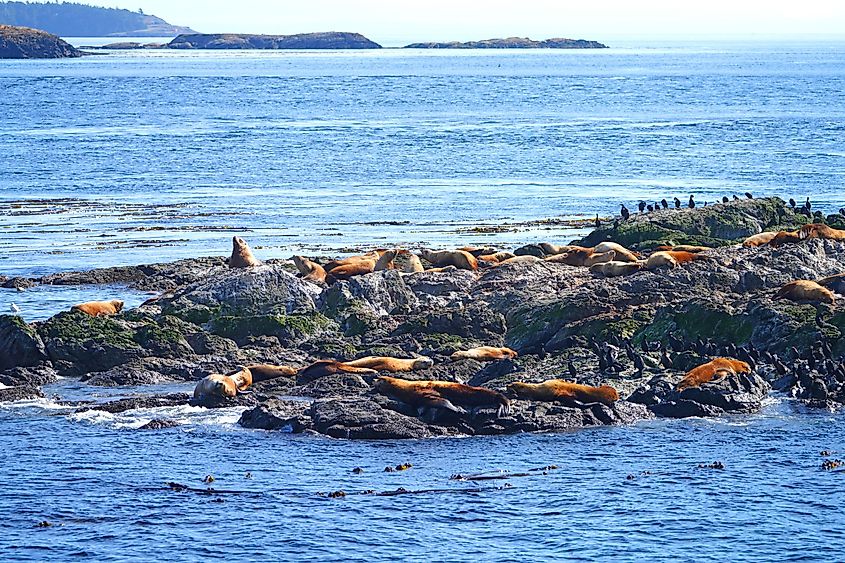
column 512, row 43
column 641, row 333
column 26, row 43
column 324, row 40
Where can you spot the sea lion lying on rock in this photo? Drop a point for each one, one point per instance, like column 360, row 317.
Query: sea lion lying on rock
column 684, row 248
column 483, row 353
column 759, row 239
column 99, row 308
column 385, row 261
column 834, row 283
column 322, row 368
column 820, row 230
column 785, row 237
column 525, row 259
column 713, row 370
column 242, row 256
column 552, row 249
column 622, row 253
column 805, row 291
column 614, row 268
column 581, row 256
column 219, row 386
column 384, row 363
column 460, row 259
column 497, row 257
column 371, row 256
column 311, row 271
column 265, row 372
column 567, row 392
column 441, row 395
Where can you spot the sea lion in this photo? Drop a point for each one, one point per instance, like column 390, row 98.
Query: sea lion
column 311, row 271
column 658, row 259
column 441, row 395
column 223, row 386
column 413, row 265
column 718, row 368
column 322, row 368
column 564, row 391
column 525, row 259
column 682, row 257
column 265, row 372
column 385, row 261
column 684, row 248
column 805, row 291
column 820, row 230
column 552, row 249
column 460, row 259
column 483, row 353
column 785, row 237
column 614, row 268
column 581, row 256
column 242, row 256
column 759, row 239
column 384, row 363
column 834, row 283
column 346, row 271
column 477, row 251
column 622, row 253
column 497, row 257
column 99, row 308
column 371, row 256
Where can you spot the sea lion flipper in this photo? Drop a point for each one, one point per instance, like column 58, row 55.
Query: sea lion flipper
column 431, row 398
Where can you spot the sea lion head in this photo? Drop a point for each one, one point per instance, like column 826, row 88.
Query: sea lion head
column 117, row 304
column 609, row 393
column 423, row 363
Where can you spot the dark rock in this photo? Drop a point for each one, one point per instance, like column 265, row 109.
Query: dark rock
column 18, row 283
column 19, row 393
column 277, row 414
column 125, row 375
column 513, row 43
column 160, row 424
column 734, row 394
column 20, row 345
column 160, row 277
column 325, row 40
column 364, row 420
column 335, row 385
column 27, row 43
column 35, row 376
column 145, row 402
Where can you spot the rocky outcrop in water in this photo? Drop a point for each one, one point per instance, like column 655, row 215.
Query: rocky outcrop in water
column 639, row 333
column 325, row 40
column 27, row 43
column 512, row 43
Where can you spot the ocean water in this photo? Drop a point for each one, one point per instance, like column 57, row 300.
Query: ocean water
column 138, row 157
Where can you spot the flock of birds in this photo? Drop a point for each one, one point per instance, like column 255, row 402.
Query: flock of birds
column 806, row 209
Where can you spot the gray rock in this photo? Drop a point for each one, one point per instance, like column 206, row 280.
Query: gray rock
column 20, row 345
column 277, row 414
column 19, row 393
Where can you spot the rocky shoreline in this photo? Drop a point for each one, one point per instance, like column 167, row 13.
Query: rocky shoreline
column 638, row 333
column 26, row 43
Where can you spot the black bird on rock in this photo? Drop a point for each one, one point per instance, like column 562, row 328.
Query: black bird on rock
column 792, row 203
column 625, row 213
column 677, row 203
column 725, row 199
column 598, row 221
column 650, row 208
column 748, row 195
column 736, row 197
column 664, row 204
column 691, row 203
column 642, row 206
column 573, row 373
column 808, row 205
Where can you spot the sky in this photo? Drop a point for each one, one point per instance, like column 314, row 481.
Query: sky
column 395, row 22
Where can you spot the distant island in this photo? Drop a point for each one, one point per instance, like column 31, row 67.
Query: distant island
column 69, row 19
column 26, row 43
column 324, row 40
column 513, row 43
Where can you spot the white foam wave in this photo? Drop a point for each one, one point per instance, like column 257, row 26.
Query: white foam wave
column 186, row 415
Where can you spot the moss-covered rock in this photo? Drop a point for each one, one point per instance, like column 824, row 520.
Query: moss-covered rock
column 289, row 329
column 20, row 345
column 698, row 320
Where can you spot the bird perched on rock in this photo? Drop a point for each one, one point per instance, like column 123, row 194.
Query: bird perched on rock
column 649, row 207
column 664, row 204
column 14, row 308
column 725, row 199
column 792, row 203
column 736, row 197
column 748, row 195
column 642, row 206
column 691, row 203
column 625, row 213
column 677, row 203
column 808, row 205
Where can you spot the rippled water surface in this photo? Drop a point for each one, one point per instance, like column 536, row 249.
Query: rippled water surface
column 149, row 156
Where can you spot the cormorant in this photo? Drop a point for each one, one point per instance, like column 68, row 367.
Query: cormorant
column 664, row 204
column 625, row 213
column 691, row 203
column 677, row 203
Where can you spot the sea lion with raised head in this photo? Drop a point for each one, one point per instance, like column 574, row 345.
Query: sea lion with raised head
column 759, row 239
column 805, row 291
column 484, row 353
column 242, row 256
column 99, row 308
column 820, row 230
column 385, row 261
column 458, row 258
column 385, row 363
column 442, row 395
column 566, row 392
column 311, row 271
column 712, row 371
column 222, row 386
column 622, row 253
column 613, row 268
column 413, row 265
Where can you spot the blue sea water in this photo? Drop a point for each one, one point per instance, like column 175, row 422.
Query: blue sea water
column 147, row 156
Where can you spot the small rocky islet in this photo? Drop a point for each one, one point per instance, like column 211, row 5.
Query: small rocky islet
column 26, row 43
column 639, row 333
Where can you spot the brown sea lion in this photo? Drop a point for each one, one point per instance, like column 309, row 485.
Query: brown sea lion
column 806, row 291
column 497, row 257
column 311, row 271
column 834, row 283
column 613, row 268
column 820, row 230
column 581, row 256
column 413, row 265
column 322, row 368
column 371, row 256
column 564, row 391
column 477, row 251
column 385, row 261
column 483, row 353
column 525, row 259
column 552, row 249
column 441, row 395
column 759, row 239
column 683, row 248
column 682, row 257
column 242, row 256
column 658, row 259
column 99, row 308
column 711, row 371
column 223, row 386
column 265, row 372
column 384, row 363
column 458, row 258
column 622, row 253
column 785, row 237
column 346, row 271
